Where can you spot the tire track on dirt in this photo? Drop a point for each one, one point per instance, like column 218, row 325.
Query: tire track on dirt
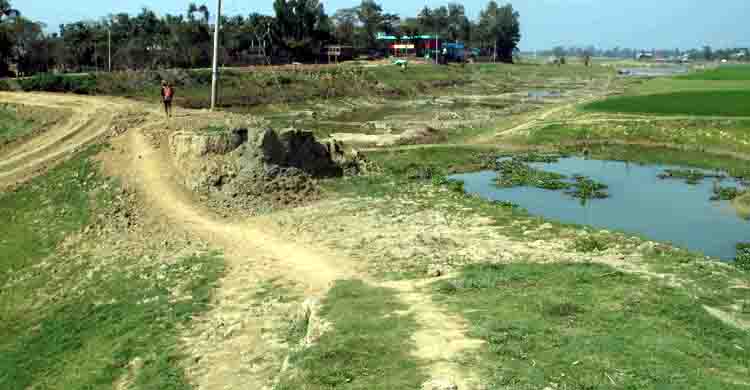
column 90, row 118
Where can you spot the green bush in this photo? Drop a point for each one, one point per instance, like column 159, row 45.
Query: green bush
column 48, row 82
column 588, row 244
column 742, row 260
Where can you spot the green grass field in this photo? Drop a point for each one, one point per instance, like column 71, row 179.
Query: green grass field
column 730, row 72
column 668, row 85
column 67, row 321
column 11, row 126
column 586, row 326
column 699, row 103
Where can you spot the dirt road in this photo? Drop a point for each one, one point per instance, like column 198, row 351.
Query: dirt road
column 89, row 119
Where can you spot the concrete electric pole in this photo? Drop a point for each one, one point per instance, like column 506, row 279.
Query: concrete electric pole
column 215, row 67
column 109, row 49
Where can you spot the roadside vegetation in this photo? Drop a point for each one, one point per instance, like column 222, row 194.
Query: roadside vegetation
column 244, row 89
column 72, row 318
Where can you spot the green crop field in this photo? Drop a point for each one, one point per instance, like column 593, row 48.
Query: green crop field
column 736, row 72
column 700, row 103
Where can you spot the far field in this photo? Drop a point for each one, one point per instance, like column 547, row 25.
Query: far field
column 116, row 275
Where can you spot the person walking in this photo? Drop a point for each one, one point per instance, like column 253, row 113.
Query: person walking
column 167, row 93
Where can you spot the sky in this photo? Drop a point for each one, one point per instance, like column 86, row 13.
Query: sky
column 640, row 24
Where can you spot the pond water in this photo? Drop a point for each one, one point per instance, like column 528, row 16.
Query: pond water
column 639, row 203
column 544, row 94
column 653, row 71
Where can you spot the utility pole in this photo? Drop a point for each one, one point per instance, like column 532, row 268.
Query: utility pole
column 215, row 67
column 109, row 49
column 437, row 52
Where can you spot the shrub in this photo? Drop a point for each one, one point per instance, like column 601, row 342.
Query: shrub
column 48, row 82
column 742, row 260
column 588, row 244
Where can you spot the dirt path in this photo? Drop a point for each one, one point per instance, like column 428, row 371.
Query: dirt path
column 90, row 118
column 251, row 246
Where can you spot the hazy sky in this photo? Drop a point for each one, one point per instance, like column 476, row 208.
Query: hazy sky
column 545, row 23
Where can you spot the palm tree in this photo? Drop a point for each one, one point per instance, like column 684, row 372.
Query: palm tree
column 6, row 11
column 206, row 13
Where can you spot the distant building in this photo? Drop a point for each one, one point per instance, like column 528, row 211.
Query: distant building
column 411, row 46
column 644, row 56
column 336, row 53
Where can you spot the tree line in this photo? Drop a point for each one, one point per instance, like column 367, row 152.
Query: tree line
column 705, row 53
column 296, row 32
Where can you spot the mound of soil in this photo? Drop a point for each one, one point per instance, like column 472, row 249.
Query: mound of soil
column 254, row 168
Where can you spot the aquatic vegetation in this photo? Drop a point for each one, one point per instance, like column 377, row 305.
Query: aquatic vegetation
column 515, row 173
column 585, row 188
column 453, row 185
column 506, row 204
column 691, row 176
column 533, row 157
column 726, row 193
column 742, row 260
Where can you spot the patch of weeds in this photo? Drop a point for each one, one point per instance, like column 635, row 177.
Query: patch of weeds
column 516, row 173
column 456, row 186
column 532, row 157
column 453, row 185
column 12, row 126
column 589, row 243
column 584, row 188
column 742, row 260
column 586, row 326
column 506, row 204
column 215, row 129
column 368, row 347
column 565, row 309
column 691, row 176
column 427, row 172
column 296, row 330
column 726, row 193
